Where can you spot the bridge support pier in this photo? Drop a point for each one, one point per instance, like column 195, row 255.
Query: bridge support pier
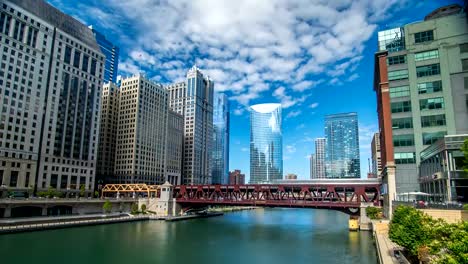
column 364, row 221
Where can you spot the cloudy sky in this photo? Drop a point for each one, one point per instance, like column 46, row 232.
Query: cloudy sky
column 315, row 57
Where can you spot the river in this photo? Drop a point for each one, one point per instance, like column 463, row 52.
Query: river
column 286, row 236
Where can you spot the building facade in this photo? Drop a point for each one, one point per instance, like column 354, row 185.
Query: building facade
column 112, row 56
column 110, row 106
column 194, row 100
column 174, row 148
column 421, row 80
column 141, row 132
column 236, row 178
column 342, row 146
column 266, row 147
column 220, row 152
column 375, row 155
column 313, row 166
column 441, row 171
column 50, row 82
column 320, row 157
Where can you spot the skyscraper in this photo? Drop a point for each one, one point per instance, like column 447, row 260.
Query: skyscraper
column 220, row 153
column 51, row 86
column 194, row 100
column 342, row 146
column 320, row 157
column 112, row 56
column 266, row 147
column 141, row 132
column 313, row 166
column 421, row 85
column 375, row 155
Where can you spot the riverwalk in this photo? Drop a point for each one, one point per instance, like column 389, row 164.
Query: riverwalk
column 385, row 247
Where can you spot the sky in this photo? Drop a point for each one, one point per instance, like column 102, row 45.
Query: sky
column 315, row 57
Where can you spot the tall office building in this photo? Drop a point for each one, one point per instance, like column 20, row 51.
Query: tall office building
column 174, row 148
column 112, row 56
column 141, row 132
column 220, row 152
column 108, row 133
column 266, row 147
column 320, row 157
column 236, row 177
column 50, row 84
column 375, row 155
column 421, row 82
column 194, row 100
column 313, row 166
column 342, row 146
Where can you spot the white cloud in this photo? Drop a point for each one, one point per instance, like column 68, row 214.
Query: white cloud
column 243, row 45
column 314, row 105
column 290, row 148
column 245, row 149
column 293, row 113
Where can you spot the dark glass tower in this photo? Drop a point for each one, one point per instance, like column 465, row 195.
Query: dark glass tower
column 342, row 146
column 266, row 146
column 112, row 56
column 220, row 154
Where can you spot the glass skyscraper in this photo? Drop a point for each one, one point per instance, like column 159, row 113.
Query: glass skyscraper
column 112, row 56
column 342, row 146
column 266, row 146
column 220, row 154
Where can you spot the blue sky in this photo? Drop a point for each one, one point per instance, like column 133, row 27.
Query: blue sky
column 314, row 57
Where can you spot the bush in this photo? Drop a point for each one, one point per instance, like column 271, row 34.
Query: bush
column 50, row 193
column 143, row 208
column 107, row 206
column 82, row 190
column 374, row 212
column 465, row 207
column 96, row 194
column 135, row 208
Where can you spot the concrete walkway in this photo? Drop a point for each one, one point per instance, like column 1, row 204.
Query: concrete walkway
column 385, row 247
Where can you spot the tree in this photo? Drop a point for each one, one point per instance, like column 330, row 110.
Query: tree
column 96, row 194
column 464, row 148
column 143, row 208
column 82, row 190
column 374, row 212
column 107, row 206
column 134, row 208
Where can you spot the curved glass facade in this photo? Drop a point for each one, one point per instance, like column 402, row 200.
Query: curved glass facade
column 266, row 143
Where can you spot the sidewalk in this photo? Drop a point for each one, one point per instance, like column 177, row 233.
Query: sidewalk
column 385, row 247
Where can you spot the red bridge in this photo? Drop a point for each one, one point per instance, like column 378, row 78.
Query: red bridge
column 342, row 195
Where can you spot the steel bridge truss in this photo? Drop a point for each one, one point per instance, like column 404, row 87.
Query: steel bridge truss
column 339, row 197
column 150, row 190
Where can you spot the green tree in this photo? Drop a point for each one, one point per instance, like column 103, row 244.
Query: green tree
column 410, row 228
column 134, row 208
column 82, row 190
column 96, row 194
column 107, row 206
column 143, row 208
column 464, row 148
column 374, row 212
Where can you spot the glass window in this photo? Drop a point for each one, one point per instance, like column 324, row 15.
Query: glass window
column 433, row 120
column 397, row 75
column 399, row 91
column 431, row 103
column 67, row 56
column 465, row 65
column 423, row 36
column 398, row 107
column 403, row 140
column 426, row 55
column 428, row 70
column 405, row 157
column 76, row 59
column 429, row 138
column 429, row 87
column 392, row 40
column 396, row 60
column 463, row 47
column 402, row 123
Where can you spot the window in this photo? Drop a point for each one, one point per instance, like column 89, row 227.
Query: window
column 433, row 120
column 396, row 60
column 423, row 36
column 463, row 47
column 466, row 82
column 398, row 107
column 465, row 65
column 405, row 157
column 13, row 178
column 398, row 75
column 402, row 123
column 403, row 140
column 428, row 70
column 426, row 55
column 429, row 138
column 67, row 56
column 429, row 87
column 399, row 91
column 431, row 103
